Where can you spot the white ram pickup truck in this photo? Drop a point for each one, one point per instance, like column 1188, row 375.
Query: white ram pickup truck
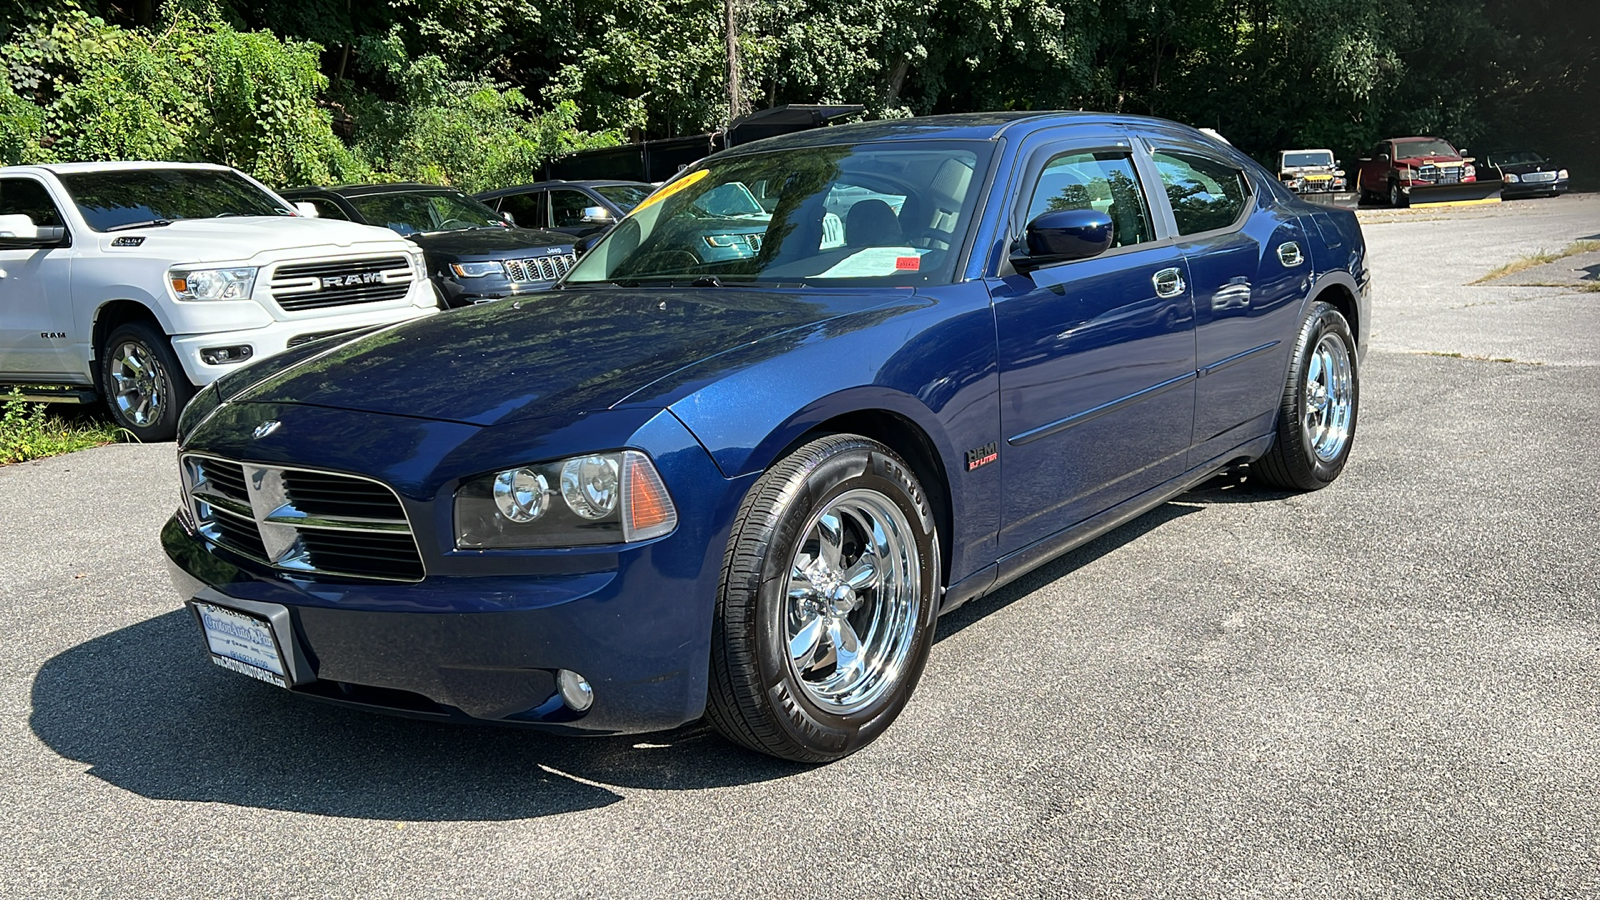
column 139, row 282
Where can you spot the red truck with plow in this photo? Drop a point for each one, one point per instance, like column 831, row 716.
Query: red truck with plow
column 1416, row 170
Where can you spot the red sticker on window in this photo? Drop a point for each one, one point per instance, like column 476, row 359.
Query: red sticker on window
column 908, row 263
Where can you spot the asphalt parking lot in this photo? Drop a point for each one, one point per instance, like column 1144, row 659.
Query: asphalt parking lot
column 1390, row 688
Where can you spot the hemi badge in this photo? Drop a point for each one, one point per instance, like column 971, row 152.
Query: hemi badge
column 982, row 456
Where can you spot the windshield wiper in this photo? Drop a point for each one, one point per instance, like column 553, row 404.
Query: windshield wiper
column 152, row 223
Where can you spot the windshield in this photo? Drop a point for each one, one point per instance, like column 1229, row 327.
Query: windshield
column 891, row 214
column 414, row 212
column 625, row 196
column 1430, row 147
column 128, row 198
column 1517, row 157
column 1308, row 158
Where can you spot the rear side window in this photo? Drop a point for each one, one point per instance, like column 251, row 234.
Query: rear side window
column 1206, row 194
column 26, row 197
column 1097, row 180
column 527, row 209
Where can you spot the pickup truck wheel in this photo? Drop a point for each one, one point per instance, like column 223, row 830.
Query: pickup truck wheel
column 1397, row 197
column 144, row 384
column 1317, row 415
column 825, row 615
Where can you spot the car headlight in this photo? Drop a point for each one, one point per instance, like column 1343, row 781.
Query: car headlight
column 477, row 269
column 598, row 498
column 1562, row 174
column 213, row 284
column 1511, row 178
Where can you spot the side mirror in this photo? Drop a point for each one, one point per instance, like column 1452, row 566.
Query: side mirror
column 19, row 232
column 309, row 210
column 1463, row 151
column 595, row 214
column 1063, row 236
column 510, row 219
column 589, row 240
column 1383, row 157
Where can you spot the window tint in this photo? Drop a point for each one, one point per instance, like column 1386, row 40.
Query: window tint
column 1102, row 181
column 26, row 197
column 527, row 209
column 566, row 208
column 1205, row 194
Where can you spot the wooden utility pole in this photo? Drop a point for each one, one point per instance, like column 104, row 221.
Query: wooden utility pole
column 736, row 107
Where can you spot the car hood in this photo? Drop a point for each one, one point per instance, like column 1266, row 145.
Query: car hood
column 1525, row 168
column 240, row 238
column 493, row 242
column 551, row 353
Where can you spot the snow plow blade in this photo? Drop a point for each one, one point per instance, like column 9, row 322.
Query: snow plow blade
column 1343, row 199
column 1464, row 193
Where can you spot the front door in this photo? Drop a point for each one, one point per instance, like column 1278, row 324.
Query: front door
column 36, row 323
column 1096, row 355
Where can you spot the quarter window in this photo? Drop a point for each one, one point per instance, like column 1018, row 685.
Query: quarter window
column 1205, row 194
column 1102, row 181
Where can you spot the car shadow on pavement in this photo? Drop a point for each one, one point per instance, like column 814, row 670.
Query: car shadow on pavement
column 147, row 713
column 1228, row 487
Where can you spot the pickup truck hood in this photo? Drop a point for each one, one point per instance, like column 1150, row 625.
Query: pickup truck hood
column 549, row 353
column 1428, row 160
column 243, row 238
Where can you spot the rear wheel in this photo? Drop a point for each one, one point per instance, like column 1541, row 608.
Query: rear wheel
column 827, row 605
column 143, row 382
column 1317, row 415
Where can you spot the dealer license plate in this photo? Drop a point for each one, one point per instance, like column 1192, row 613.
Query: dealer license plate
column 242, row 643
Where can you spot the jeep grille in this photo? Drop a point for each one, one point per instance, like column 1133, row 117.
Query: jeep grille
column 540, row 268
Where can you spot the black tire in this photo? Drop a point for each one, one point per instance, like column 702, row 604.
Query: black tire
column 1397, row 197
column 760, row 696
column 142, row 381
column 1314, row 437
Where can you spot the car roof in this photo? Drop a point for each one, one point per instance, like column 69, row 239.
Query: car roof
column 363, row 190
column 122, row 166
column 981, row 126
column 560, row 183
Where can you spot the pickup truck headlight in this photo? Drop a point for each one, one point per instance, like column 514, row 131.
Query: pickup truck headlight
column 598, row 498
column 213, row 284
column 477, row 269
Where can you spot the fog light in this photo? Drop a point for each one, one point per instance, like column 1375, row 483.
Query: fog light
column 575, row 692
column 217, row 356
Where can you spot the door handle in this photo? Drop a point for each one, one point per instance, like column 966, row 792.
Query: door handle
column 1289, row 254
column 1169, row 283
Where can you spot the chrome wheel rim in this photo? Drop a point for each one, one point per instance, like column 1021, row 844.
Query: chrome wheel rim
column 137, row 384
column 852, row 601
column 1329, row 398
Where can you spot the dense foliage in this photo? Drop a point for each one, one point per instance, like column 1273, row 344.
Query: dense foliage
column 479, row 92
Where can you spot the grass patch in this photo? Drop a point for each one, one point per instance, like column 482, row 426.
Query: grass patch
column 1539, row 259
column 32, row 431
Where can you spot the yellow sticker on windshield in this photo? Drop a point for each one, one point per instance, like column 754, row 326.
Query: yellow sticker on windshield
column 670, row 189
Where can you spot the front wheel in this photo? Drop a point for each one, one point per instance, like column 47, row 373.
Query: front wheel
column 1317, row 415
column 1397, row 197
column 825, row 615
column 144, row 384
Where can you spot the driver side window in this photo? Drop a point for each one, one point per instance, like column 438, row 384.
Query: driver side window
column 1098, row 180
column 26, row 197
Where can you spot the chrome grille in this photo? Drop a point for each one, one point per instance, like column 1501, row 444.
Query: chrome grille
column 540, row 268
column 1539, row 177
column 302, row 520
column 1440, row 174
column 347, row 282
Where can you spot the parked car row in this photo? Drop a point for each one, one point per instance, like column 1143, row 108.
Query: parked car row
column 804, row 398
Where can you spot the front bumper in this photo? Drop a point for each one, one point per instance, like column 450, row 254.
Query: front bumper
column 483, row 635
column 1535, row 189
column 468, row 291
column 279, row 335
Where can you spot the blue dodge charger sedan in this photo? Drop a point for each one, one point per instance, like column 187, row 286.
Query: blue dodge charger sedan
column 744, row 487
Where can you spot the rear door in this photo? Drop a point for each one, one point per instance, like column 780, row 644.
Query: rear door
column 36, row 323
column 1248, row 266
column 1096, row 355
